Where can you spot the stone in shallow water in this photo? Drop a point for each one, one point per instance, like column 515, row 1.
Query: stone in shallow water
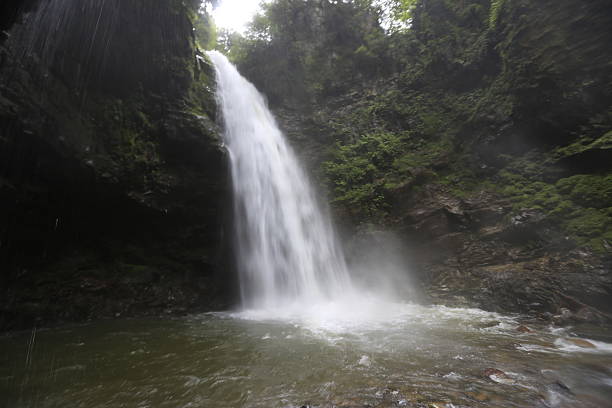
column 488, row 372
column 365, row 361
column 478, row 396
column 498, row 376
column 523, row 329
column 581, row 343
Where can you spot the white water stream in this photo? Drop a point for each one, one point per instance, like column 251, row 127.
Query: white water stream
column 287, row 250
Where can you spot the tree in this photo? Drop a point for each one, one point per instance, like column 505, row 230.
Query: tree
column 205, row 31
column 397, row 13
column 297, row 50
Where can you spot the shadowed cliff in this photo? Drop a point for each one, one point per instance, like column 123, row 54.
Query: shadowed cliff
column 112, row 178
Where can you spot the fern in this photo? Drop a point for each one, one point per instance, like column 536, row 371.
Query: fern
column 496, row 6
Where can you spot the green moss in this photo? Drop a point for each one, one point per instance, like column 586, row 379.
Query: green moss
column 201, row 94
column 433, row 123
column 129, row 144
column 474, row 88
column 584, row 144
column 460, row 181
column 364, row 173
column 579, row 204
column 424, row 155
column 591, row 227
column 589, row 190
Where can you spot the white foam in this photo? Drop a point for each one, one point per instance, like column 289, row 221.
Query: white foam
column 363, row 315
column 365, row 361
column 569, row 347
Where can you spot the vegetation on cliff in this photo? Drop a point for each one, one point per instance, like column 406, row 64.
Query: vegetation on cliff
column 482, row 95
column 496, row 114
column 479, row 131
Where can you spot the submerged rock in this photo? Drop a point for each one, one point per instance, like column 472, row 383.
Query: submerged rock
column 479, row 396
column 581, row 343
column 498, row 376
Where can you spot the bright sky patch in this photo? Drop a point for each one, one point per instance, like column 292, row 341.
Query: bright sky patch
column 235, row 14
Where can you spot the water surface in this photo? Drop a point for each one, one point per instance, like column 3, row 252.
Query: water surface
column 412, row 356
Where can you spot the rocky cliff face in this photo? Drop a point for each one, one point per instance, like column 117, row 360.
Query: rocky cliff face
column 113, row 183
column 489, row 154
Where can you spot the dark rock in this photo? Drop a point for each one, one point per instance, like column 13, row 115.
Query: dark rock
column 586, row 314
column 497, row 376
column 523, row 329
column 560, row 388
column 494, row 371
column 138, row 274
column 113, row 180
column 564, row 317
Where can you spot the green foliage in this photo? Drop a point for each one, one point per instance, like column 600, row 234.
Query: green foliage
column 591, row 227
column 589, row 190
column 423, row 155
column 296, row 51
column 398, row 13
column 358, row 171
column 584, row 144
column 205, row 31
column 580, row 204
column 130, row 134
column 495, row 10
column 232, row 44
column 365, row 173
column 437, row 97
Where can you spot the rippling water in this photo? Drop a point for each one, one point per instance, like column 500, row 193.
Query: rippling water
column 381, row 355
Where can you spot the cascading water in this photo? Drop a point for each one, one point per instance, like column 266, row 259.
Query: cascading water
column 287, row 250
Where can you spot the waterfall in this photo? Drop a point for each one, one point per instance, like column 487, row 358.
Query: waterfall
column 286, row 247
